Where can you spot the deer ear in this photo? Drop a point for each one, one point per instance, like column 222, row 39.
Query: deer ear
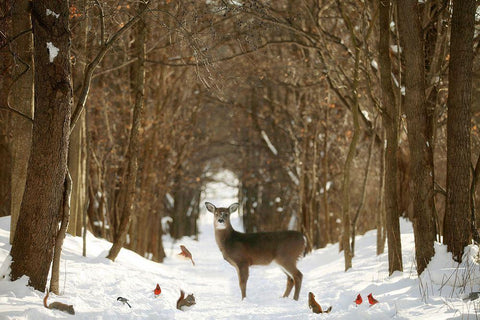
column 210, row 207
column 233, row 207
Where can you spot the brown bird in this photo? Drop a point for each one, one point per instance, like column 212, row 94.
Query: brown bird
column 185, row 253
column 372, row 300
column 359, row 300
column 185, row 301
column 316, row 308
column 157, row 290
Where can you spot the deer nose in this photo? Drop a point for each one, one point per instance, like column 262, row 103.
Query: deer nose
column 221, row 220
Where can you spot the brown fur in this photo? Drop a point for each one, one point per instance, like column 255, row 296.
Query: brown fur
column 185, row 301
column 242, row 250
column 316, row 308
column 58, row 305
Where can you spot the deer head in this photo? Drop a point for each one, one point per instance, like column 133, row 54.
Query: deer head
column 222, row 215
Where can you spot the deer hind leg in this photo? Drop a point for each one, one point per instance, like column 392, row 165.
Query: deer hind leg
column 294, row 275
column 290, row 283
column 297, row 278
column 242, row 270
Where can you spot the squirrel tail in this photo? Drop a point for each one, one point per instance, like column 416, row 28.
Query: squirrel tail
column 182, row 296
column 45, row 300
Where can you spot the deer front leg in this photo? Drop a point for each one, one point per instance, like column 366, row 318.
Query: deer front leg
column 242, row 270
column 289, row 286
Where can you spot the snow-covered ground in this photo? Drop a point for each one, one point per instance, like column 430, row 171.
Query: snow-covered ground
column 92, row 284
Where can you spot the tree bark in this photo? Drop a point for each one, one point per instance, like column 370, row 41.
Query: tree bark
column 390, row 122
column 77, row 153
column 457, row 232
column 419, row 135
column 64, row 219
column 32, row 248
column 346, row 219
column 22, row 101
column 364, row 192
column 130, row 177
column 380, row 214
column 328, row 225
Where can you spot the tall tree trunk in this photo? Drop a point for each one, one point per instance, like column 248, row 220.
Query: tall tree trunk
column 380, row 214
column 364, row 192
column 77, row 153
column 6, row 61
column 129, row 182
column 64, row 216
column 457, row 232
column 22, row 101
column 346, row 219
column 419, row 135
column 327, row 227
column 32, row 248
column 390, row 122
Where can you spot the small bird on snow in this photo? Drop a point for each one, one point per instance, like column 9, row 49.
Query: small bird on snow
column 372, row 300
column 471, row 296
column 157, row 290
column 185, row 253
column 359, row 300
column 124, row 301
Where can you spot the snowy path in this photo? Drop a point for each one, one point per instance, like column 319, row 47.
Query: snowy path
column 93, row 283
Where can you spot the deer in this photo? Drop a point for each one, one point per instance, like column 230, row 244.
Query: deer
column 243, row 250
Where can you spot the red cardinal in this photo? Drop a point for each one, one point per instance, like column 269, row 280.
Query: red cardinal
column 185, row 253
column 372, row 300
column 358, row 300
column 157, row 290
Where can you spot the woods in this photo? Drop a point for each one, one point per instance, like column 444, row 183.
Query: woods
column 335, row 117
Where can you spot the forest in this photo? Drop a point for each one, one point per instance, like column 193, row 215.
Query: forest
column 336, row 117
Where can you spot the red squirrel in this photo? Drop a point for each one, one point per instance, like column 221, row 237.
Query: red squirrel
column 187, row 302
column 58, row 305
column 315, row 306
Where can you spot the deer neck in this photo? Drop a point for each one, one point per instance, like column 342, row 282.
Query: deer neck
column 223, row 234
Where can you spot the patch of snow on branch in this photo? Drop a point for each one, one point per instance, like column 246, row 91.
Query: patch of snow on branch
column 269, row 143
column 52, row 13
column 52, row 51
column 293, row 177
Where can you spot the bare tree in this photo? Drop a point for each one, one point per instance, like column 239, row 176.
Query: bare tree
column 391, row 117
column 32, row 249
column 457, row 231
column 419, row 131
column 22, row 101
column 131, row 166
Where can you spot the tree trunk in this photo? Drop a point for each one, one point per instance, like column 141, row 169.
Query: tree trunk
column 64, row 216
column 77, row 153
column 457, row 232
column 346, row 219
column 32, row 248
column 129, row 182
column 391, row 123
column 6, row 62
column 328, row 225
column 364, row 192
column 419, row 135
column 380, row 214
column 22, row 101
